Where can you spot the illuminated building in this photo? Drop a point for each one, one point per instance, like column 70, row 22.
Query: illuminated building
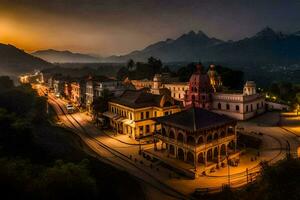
column 198, row 137
column 205, row 91
column 132, row 113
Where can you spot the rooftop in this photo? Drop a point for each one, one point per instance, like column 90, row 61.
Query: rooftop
column 140, row 98
column 194, row 119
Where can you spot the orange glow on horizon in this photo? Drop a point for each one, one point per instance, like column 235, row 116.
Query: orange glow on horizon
column 17, row 35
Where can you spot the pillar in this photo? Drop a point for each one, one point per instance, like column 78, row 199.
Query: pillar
column 235, row 139
column 219, row 154
column 154, row 141
column 205, row 158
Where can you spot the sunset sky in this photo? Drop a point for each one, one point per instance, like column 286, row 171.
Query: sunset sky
column 120, row 26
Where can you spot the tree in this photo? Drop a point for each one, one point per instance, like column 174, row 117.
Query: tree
column 100, row 105
column 155, row 64
column 185, row 73
column 122, row 73
column 130, row 65
column 6, row 83
column 68, row 181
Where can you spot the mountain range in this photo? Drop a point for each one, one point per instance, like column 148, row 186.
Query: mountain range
column 15, row 61
column 55, row 56
column 266, row 46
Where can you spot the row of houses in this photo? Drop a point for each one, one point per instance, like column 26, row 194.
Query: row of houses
column 83, row 91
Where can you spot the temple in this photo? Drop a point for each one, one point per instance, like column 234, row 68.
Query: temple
column 197, row 137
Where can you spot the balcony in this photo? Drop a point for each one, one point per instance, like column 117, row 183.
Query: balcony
column 199, row 147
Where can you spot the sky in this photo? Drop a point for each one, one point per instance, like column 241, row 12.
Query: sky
column 116, row 27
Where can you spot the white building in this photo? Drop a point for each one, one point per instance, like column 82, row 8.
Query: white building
column 240, row 106
column 95, row 88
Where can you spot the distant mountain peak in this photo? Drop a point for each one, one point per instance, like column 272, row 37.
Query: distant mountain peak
column 266, row 32
column 202, row 34
column 191, row 33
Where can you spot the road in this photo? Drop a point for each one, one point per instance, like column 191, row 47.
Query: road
column 111, row 151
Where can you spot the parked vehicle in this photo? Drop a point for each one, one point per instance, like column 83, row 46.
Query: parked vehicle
column 70, row 108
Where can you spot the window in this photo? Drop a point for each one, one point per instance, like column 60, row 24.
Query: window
column 166, row 113
column 179, row 96
column 237, row 108
column 227, row 106
column 257, row 106
column 203, row 97
column 147, row 115
column 251, row 108
column 219, row 106
column 141, row 129
column 147, row 129
column 155, row 114
column 247, row 108
column 142, row 115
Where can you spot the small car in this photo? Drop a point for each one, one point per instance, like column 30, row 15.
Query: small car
column 70, row 108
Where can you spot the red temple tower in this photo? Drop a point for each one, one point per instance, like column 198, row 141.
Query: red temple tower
column 200, row 90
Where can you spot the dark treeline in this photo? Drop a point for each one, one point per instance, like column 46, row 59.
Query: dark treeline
column 284, row 92
column 232, row 79
column 41, row 161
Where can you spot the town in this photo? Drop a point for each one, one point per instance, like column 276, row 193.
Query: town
column 190, row 137
column 150, row 99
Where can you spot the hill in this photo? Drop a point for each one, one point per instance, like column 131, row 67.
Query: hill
column 55, row 56
column 14, row 61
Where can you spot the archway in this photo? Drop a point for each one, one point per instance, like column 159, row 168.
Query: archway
column 200, row 140
column 216, row 136
column 209, row 155
column 223, row 149
column 222, row 135
column 231, row 145
column 191, row 140
column 180, row 154
column 171, row 150
column 172, row 134
column 180, row 137
column 190, row 158
column 201, row 158
column 209, row 137
column 216, row 152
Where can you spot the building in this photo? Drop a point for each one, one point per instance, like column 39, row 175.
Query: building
column 36, row 77
column 205, row 92
column 96, row 86
column 277, row 106
column 200, row 90
column 178, row 90
column 160, row 83
column 240, row 106
column 58, row 87
column 78, row 92
column 132, row 113
column 140, row 84
column 198, row 137
column 67, row 90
